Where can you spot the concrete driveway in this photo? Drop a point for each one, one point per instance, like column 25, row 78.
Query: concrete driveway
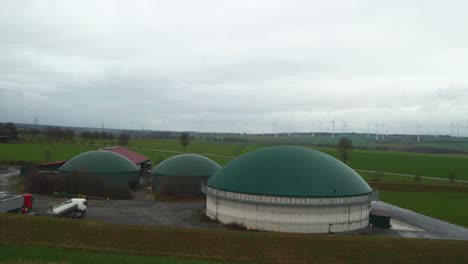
column 431, row 227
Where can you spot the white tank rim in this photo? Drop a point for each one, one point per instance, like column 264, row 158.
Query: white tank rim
column 290, row 201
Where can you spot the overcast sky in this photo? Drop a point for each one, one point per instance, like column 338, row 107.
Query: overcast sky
column 235, row 65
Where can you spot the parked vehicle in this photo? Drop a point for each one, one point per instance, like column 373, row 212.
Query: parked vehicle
column 15, row 203
column 73, row 208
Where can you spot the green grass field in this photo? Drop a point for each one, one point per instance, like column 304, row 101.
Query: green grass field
column 28, row 254
column 392, row 142
column 434, row 165
column 441, row 165
column 448, row 206
column 216, row 245
column 409, row 163
column 35, row 152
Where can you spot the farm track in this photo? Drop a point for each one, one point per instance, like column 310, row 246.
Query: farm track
column 417, row 187
column 411, row 176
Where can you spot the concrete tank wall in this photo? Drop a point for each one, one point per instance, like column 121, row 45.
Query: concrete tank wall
column 300, row 216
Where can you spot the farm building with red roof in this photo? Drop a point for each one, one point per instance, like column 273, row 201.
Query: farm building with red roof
column 141, row 161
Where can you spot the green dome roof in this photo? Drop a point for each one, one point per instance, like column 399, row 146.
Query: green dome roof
column 186, row 165
column 289, row 171
column 99, row 162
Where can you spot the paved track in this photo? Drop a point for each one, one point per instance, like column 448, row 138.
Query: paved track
column 433, row 228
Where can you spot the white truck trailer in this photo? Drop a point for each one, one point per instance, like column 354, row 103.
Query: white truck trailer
column 15, row 203
column 73, row 208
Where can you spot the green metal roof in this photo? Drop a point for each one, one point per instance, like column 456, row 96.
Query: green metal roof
column 289, row 171
column 99, row 162
column 186, row 165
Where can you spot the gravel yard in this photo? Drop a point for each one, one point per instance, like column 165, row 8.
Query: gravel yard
column 138, row 212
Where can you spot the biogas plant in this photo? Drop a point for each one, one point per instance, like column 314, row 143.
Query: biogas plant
column 181, row 175
column 289, row 189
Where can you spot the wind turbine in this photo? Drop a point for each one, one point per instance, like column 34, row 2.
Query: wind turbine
column 368, row 125
column 419, row 131
column 382, row 133
column 333, row 128
column 377, row 130
column 451, row 135
column 466, row 123
column 313, row 129
column 344, row 125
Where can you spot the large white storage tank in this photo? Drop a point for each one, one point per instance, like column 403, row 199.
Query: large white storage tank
column 289, row 189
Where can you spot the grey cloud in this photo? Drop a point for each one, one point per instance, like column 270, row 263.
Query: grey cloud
column 216, row 65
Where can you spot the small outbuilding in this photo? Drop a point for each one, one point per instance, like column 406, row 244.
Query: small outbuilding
column 182, row 175
column 380, row 219
column 110, row 167
column 289, row 189
column 52, row 166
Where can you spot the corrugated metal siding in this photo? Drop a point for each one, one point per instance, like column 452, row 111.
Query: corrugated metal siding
column 296, row 201
column 286, row 218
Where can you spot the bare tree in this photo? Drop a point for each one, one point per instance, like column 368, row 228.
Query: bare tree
column 9, row 130
column 123, row 139
column 345, row 145
column 184, row 139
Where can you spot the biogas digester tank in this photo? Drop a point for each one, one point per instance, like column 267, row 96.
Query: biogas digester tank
column 289, row 189
column 111, row 168
column 182, row 175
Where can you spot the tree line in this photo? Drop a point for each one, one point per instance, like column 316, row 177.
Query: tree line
column 97, row 135
column 8, row 132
